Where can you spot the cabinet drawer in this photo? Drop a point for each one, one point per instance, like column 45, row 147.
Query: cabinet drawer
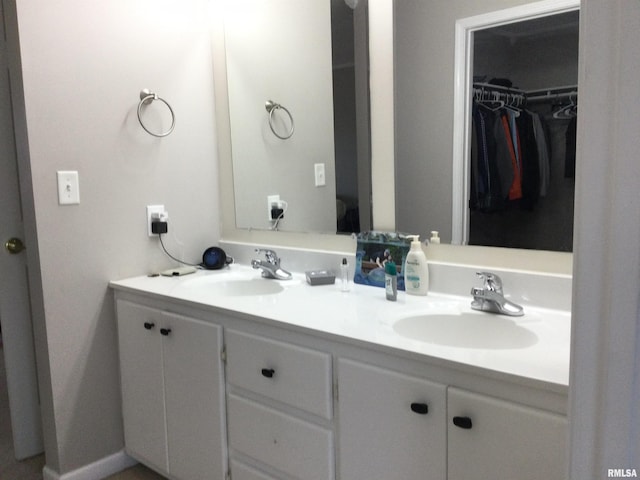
column 297, row 376
column 288, row 444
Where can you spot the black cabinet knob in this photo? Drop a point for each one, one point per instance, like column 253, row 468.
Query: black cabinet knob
column 421, row 408
column 149, row 325
column 165, row 331
column 268, row 372
column 463, row 422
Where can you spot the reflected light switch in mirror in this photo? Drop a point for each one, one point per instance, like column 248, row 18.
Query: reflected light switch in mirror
column 68, row 188
column 319, row 173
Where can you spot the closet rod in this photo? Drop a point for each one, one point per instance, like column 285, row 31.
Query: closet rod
column 558, row 96
column 491, row 86
column 552, row 90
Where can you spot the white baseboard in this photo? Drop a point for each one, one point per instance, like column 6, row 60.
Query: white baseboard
column 94, row 471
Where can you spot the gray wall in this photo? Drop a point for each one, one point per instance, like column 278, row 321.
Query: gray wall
column 532, row 62
column 83, row 66
column 424, row 68
column 604, row 396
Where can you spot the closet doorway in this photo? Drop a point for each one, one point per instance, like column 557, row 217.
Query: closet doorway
column 514, row 128
column 524, row 108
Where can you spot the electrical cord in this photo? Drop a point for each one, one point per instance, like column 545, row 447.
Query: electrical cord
column 174, row 258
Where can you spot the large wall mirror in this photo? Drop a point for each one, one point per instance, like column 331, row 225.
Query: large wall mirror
column 299, row 114
column 426, row 169
column 520, row 61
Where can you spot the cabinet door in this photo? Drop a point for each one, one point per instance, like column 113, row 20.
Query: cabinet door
column 142, row 383
column 391, row 426
column 194, row 399
column 499, row 439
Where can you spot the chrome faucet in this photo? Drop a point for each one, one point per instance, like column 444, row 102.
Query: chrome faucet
column 490, row 298
column 270, row 265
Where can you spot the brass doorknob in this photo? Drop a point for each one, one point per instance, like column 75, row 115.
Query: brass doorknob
column 14, row 245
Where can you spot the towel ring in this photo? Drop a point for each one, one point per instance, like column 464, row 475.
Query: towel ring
column 271, row 107
column 146, row 97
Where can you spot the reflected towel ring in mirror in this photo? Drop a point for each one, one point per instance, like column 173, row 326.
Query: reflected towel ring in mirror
column 146, row 97
column 271, row 107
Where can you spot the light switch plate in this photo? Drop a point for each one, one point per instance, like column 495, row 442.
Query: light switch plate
column 318, row 170
column 68, row 187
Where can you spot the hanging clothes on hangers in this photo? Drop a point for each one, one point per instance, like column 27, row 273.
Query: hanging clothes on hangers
column 543, row 154
column 515, row 167
column 491, row 161
column 503, row 172
column 529, row 162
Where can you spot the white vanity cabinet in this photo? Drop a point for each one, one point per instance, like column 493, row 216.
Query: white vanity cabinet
column 396, row 426
column 260, row 399
column 392, row 426
column 492, row 438
column 172, row 392
column 280, row 409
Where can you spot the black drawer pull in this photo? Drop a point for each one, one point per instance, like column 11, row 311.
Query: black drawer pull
column 421, row 408
column 463, row 422
column 149, row 325
column 268, row 372
column 165, row 331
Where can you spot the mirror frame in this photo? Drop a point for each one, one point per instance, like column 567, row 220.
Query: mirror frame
column 463, row 72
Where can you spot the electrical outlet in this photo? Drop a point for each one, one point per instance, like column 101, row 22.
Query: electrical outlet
column 155, row 213
column 272, row 200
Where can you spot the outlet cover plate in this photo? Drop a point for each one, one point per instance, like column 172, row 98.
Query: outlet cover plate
column 271, row 201
column 153, row 210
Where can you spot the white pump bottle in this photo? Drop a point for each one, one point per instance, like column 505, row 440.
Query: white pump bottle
column 416, row 270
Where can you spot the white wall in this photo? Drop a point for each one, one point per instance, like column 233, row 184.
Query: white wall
column 83, row 66
column 281, row 51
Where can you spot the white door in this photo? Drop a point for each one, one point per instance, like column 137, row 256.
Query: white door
column 15, row 314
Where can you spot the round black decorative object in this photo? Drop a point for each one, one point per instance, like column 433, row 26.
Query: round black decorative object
column 214, row 258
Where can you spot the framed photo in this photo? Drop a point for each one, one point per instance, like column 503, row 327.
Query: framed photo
column 374, row 250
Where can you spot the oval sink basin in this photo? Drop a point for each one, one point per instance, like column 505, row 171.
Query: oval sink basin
column 466, row 330
column 256, row 286
column 233, row 284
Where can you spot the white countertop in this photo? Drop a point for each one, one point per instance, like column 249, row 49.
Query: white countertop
column 535, row 346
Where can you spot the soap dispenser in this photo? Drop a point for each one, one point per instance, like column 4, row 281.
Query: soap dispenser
column 416, row 269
